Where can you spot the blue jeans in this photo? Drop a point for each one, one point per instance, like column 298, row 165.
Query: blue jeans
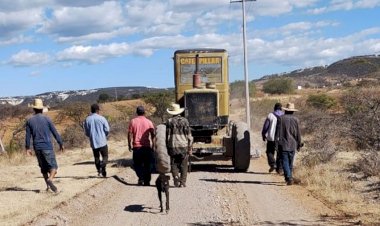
column 287, row 164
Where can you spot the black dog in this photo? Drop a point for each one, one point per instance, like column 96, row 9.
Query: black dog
column 162, row 185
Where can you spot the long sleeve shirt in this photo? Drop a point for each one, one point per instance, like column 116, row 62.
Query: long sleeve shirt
column 39, row 127
column 290, row 135
column 96, row 128
column 178, row 135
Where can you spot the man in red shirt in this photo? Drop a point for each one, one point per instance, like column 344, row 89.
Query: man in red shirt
column 140, row 141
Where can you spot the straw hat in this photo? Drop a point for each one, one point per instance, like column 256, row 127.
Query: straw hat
column 37, row 104
column 289, row 107
column 175, row 109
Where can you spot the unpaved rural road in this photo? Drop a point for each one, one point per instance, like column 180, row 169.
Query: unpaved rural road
column 215, row 195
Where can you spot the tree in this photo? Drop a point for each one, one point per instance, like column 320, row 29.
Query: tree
column 161, row 101
column 279, row 86
column 103, row 98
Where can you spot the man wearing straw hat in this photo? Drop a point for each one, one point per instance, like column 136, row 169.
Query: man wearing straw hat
column 289, row 140
column 39, row 127
column 179, row 142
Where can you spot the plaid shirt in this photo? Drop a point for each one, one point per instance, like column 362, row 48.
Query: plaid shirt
column 178, row 135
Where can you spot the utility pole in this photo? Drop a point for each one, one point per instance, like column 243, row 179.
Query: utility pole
column 247, row 108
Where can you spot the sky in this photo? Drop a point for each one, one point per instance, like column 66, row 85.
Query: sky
column 61, row 45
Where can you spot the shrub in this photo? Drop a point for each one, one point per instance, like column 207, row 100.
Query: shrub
column 73, row 137
column 75, row 112
column 160, row 101
column 321, row 101
column 368, row 164
column 362, row 109
column 237, row 89
column 279, row 86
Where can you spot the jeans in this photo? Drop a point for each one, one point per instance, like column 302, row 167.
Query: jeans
column 179, row 164
column 100, row 151
column 287, row 163
column 142, row 163
column 271, row 151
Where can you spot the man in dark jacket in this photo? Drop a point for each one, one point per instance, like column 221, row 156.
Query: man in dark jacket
column 270, row 135
column 39, row 127
column 179, row 143
column 290, row 140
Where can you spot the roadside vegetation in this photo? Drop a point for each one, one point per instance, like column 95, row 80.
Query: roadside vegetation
column 340, row 162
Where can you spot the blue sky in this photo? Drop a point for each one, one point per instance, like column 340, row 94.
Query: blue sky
column 59, row 45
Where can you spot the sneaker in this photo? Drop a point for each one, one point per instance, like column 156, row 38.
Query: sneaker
column 52, row 186
column 280, row 172
column 271, row 169
column 140, row 182
column 182, row 185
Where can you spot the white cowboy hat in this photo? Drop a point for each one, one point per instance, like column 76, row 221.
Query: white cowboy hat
column 175, row 109
column 37, row 104
column 289, row 107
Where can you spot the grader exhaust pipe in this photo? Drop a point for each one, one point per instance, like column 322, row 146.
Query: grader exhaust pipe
column 197, row 75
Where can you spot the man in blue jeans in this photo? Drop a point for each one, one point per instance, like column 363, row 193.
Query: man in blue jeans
column 289, row 140
column 270, row 135
column 39, row 127
column 97, row 128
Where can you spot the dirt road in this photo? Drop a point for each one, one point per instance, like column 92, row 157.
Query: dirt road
column 215, row 195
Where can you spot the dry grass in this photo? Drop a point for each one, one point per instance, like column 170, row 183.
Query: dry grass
column 12, row 159
column 341, row 190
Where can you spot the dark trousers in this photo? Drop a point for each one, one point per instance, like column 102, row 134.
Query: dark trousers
column 103, row 151
column 287, row 162
column 142, row 163
column 179, row 164
column 274, row 155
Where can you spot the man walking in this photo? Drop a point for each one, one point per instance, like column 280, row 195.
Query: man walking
column 97, row 129
column 39, row 127
column 140, row 141
column 270, row 134
column 290, row 140
column 179, row 143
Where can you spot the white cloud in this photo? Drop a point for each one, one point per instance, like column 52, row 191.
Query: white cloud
column 28, row 58
column 16, row 40
column 346, row 5
column 80, row 21
column 93, row 54
column 18, row 21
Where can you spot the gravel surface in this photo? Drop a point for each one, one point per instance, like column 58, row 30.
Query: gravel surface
column 215, row 195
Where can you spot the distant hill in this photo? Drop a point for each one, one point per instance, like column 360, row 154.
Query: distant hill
column 59, row 97
column 340, row 72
